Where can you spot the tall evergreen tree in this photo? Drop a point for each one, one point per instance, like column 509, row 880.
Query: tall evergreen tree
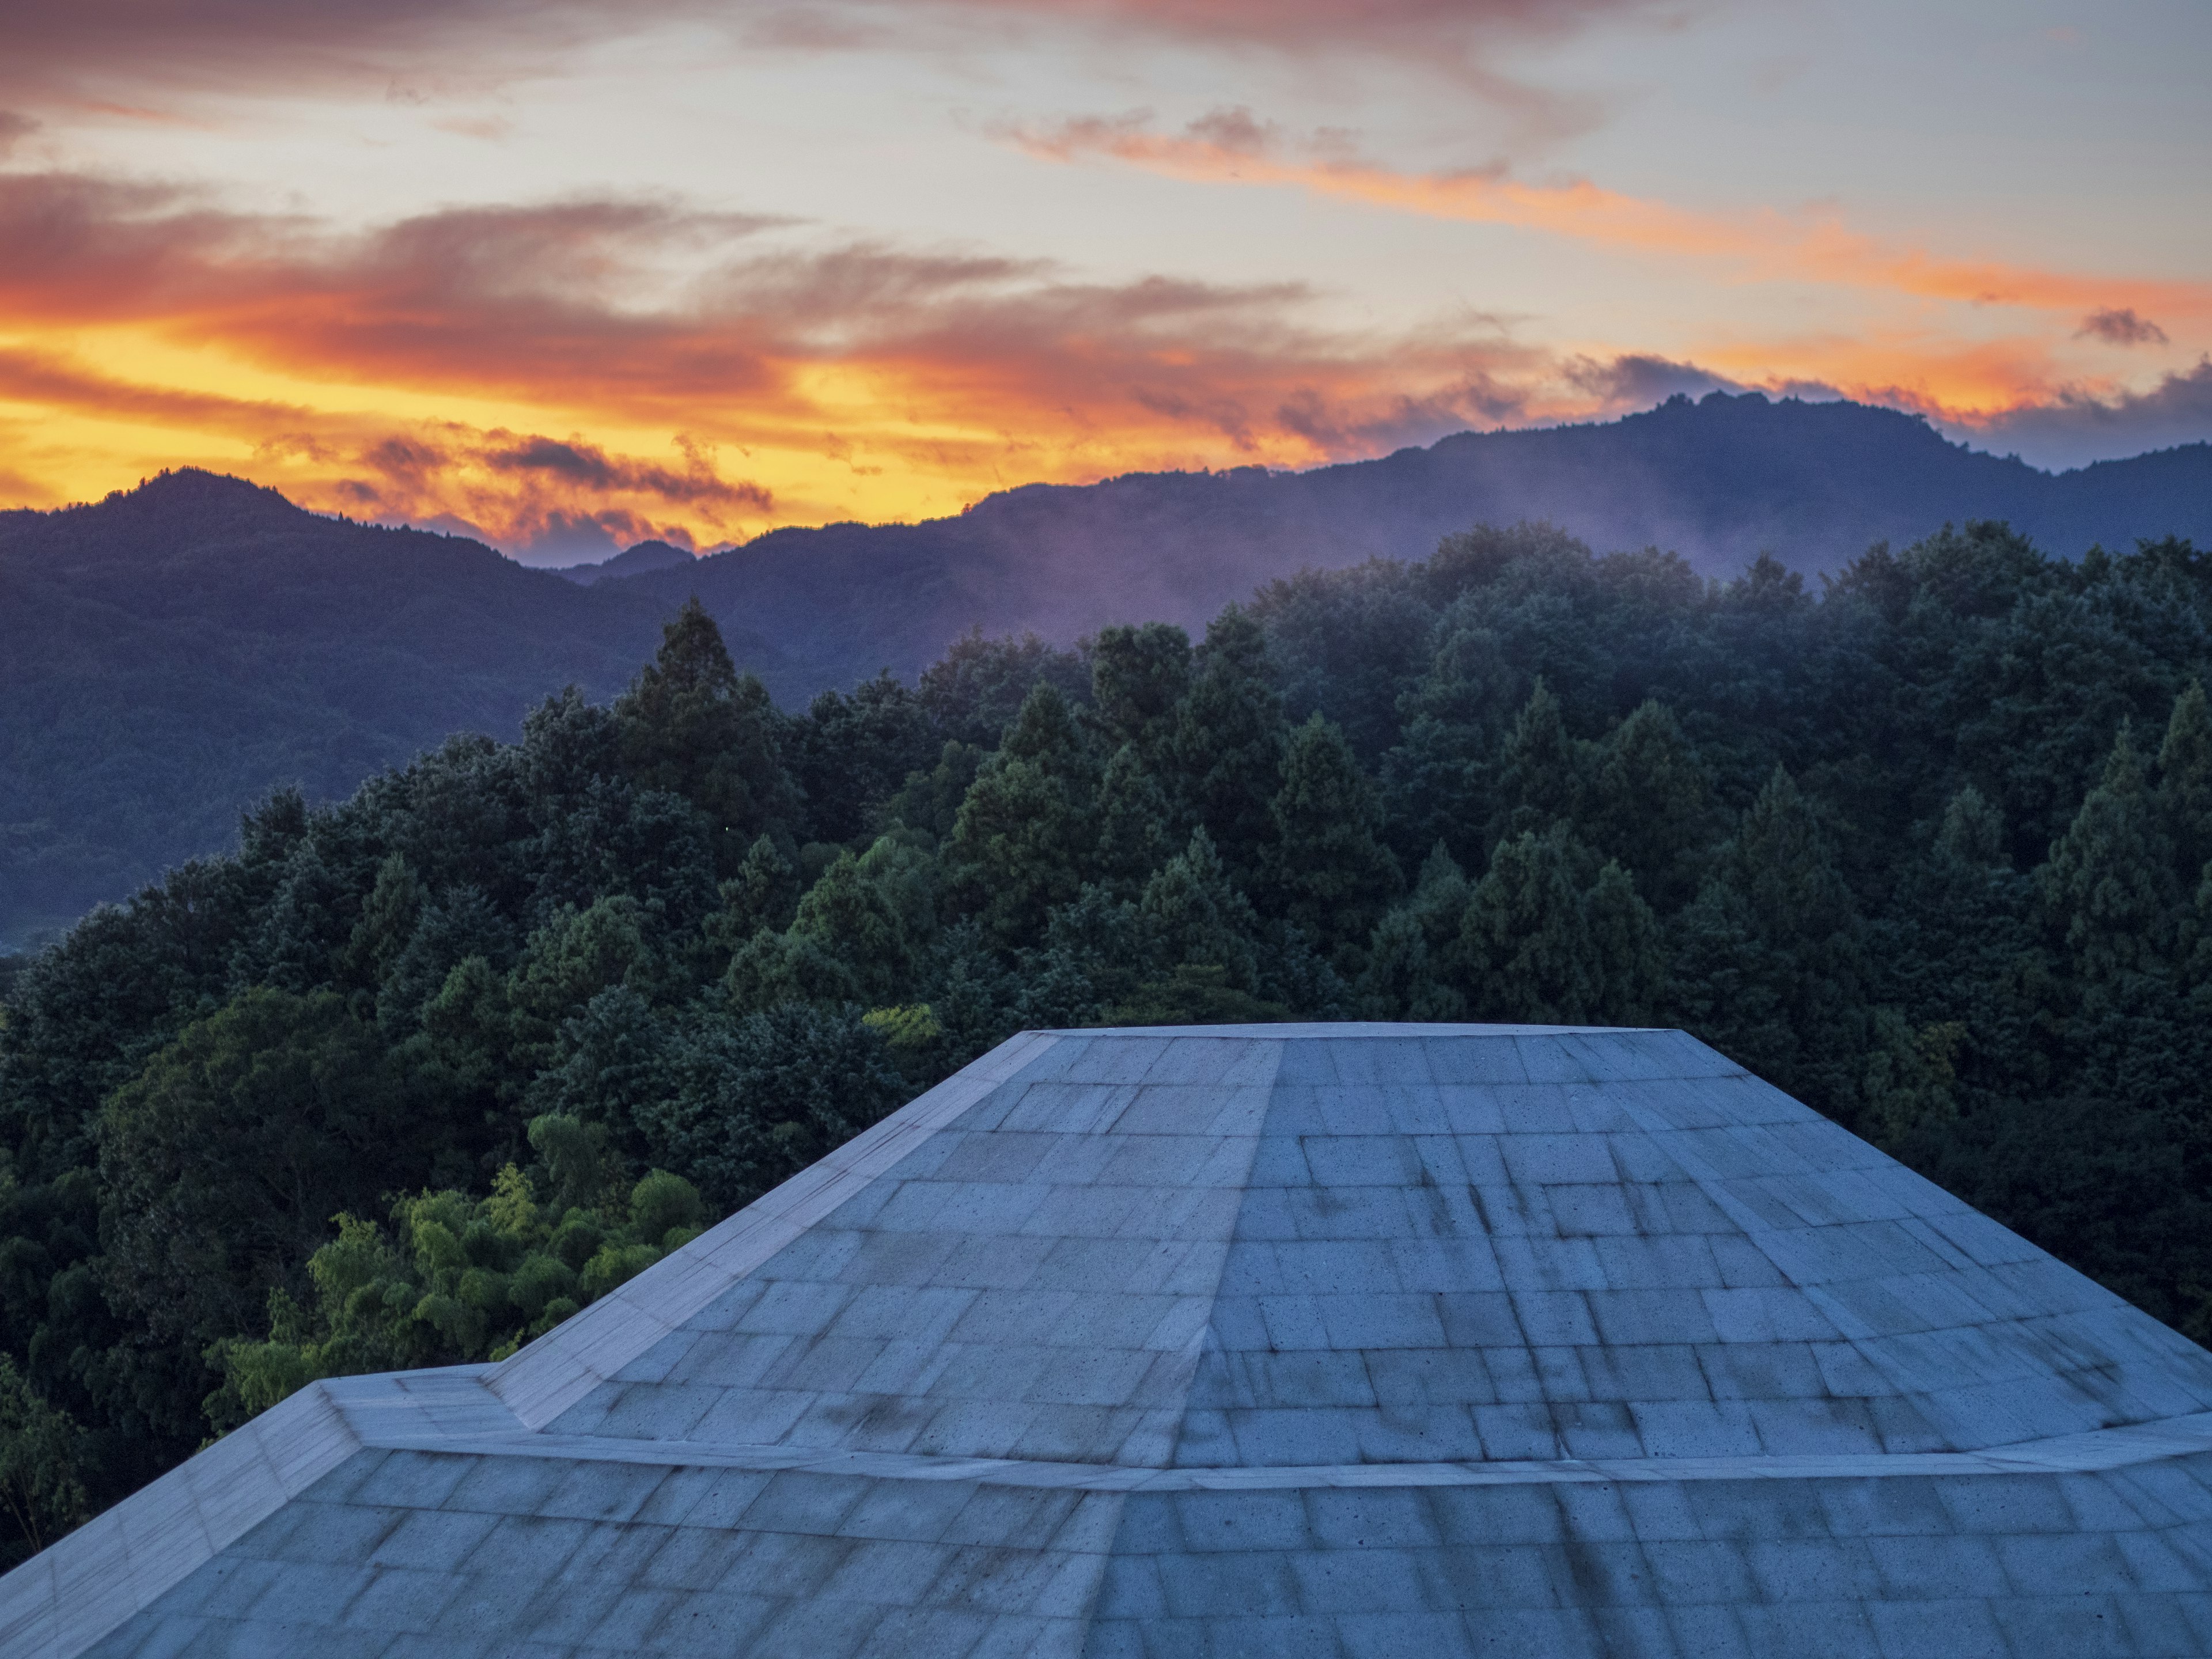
column 2109, row 884
column 1026, row 830
column 1139, row 675
column 1769, row 959
column 1551, row 936
column 1228, row 742
column 1328, row 873
column 2184, row 783
column 1539, row 772
column 1412, row 969
column 691, row 725
column 1651, row 805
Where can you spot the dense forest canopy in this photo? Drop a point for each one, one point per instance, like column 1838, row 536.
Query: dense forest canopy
column 173, row 651
column 408, row 1078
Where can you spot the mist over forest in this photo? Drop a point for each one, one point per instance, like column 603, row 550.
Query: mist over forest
column 1927, row 844
column 173, row 652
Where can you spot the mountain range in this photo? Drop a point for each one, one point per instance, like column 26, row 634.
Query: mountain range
column 170, row 654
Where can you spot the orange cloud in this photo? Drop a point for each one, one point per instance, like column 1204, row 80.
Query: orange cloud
column 623, row 367
column 1232, row 147
column 66, row 54
column 512, row 368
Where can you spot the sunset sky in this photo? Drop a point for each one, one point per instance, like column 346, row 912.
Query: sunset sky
column 568, row 274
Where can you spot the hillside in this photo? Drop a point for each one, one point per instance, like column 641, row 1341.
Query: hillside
column 527, row 1014
column 1719, row 481
column 168, row 654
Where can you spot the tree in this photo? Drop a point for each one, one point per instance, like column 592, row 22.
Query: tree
column 2184, row 782
column 2109, row 884
column 1551, row 936
column 1412, row 969
column 1326, row 871
column 691, row 725
column 1228, row 742
column 1139, row 675
column 1025, row 829
column 41, row 1449
column 1137, row 828
column 222, row 1162
column 851, row 755
column 1769, row 962
column 1199, row 918
column 1539, row 773
column 1651, row 804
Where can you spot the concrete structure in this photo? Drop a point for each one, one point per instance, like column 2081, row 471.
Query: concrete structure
column 1278, row 1341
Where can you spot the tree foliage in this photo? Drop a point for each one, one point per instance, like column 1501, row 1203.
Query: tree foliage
column 410, row 1076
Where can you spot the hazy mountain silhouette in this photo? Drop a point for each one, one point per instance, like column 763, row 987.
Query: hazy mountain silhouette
column 168, row 654
column 1720, row 480
column 631, row 561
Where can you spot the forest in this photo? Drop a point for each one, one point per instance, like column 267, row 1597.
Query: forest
column 410, row 1077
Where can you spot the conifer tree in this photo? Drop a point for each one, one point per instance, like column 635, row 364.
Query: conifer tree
column 1539, row 770
column 1139, row 675
column 764, row 893
column 2109, row 884
column 1328, row 873
column 1228, row 742
column 1551, row 937
column 1025, row 832
column 1769, row 959
column 1137, row 825
column 2184, row 783
column 1651, row 805
column 1198, row 917
column 1412, row 970
column 691, row 725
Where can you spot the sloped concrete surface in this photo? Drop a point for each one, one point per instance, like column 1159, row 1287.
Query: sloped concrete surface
column 1339, row 1341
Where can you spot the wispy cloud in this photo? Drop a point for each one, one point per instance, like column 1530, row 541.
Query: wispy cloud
column 2120, row 326
column 939, row 373
column 80, row 53
column 1232, row 147
column 2077, row 424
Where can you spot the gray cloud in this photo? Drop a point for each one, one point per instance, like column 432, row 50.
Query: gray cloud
column 74, row 51
column 2076, row 427
column 1638, row 379
column 2120, row 327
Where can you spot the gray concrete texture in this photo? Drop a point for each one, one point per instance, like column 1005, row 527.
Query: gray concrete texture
column 1332, row 1340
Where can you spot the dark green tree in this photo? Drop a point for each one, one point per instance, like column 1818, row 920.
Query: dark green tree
column 1326, row 871
column 1025, row 832
column 1229, row 741
column 692, row 726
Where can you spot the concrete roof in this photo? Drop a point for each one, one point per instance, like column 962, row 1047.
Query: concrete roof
column 1331, row 1340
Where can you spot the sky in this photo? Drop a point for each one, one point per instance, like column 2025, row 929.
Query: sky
column 568, row 274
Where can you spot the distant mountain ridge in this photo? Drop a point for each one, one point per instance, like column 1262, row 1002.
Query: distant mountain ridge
column 168, row 654
column 1720, row 480
column 631, row 561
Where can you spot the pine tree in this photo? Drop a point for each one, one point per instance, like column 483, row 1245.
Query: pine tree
column 691, row 725
column 1412, row 957
column 1440, row 780
column 1137, row 826
column 1025, row 833
column 1552, row 936
column 1228, row 742
column 1539, row 771
column 1651, row 805
column 2109, row 884
column 1328, row 873
column 2184, row 783
column 1770, row 963
column 1198, row 919
column 1138, row 677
